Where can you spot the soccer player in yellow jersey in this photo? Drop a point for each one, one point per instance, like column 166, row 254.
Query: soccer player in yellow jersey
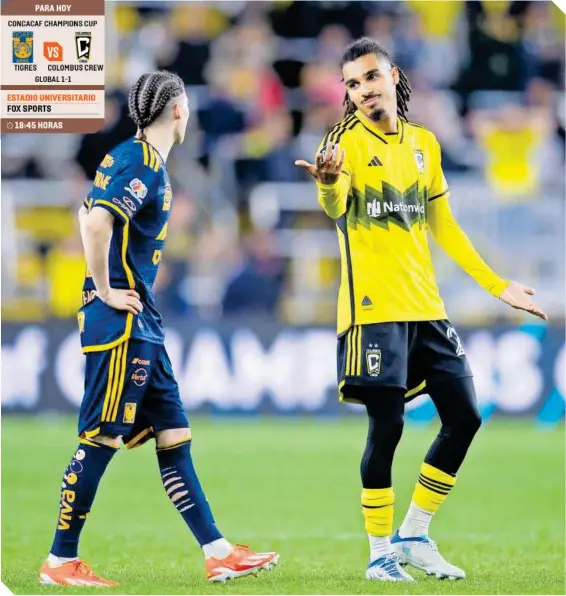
column 379, row 177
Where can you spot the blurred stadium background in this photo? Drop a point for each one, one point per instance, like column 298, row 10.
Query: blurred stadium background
column 248, row 287
column 249, row 279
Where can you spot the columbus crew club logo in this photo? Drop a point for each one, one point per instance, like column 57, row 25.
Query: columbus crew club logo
column 83, row 44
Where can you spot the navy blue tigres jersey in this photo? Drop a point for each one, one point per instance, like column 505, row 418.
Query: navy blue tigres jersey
column 131, row 183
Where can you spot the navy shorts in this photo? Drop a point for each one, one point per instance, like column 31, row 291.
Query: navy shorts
column 404, row 355
column 130, row 391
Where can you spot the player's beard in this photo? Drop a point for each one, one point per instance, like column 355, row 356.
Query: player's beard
column 377, row 114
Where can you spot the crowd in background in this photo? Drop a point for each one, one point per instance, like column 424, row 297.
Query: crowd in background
column 264, row 87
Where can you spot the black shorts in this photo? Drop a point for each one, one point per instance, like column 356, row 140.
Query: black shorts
column 405, row 355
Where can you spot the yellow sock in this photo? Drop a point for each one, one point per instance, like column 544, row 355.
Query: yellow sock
column 377, row 507
column 432, row 487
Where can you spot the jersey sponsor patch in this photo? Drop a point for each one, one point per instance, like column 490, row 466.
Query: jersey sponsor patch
column 373, row 362
column 137, row 189
column 122, row 206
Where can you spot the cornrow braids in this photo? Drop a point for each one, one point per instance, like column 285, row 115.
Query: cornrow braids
column 363, row 47
column 150, row 94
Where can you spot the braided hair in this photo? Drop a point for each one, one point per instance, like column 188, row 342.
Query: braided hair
column 363, row 47
column 149, row 96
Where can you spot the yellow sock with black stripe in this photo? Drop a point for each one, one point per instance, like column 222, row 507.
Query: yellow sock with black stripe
column 430, row 491
column 377, row 507
column 432, row 488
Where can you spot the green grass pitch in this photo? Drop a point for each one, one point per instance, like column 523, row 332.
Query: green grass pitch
column 290, row 485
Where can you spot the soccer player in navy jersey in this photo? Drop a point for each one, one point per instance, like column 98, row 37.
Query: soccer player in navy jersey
column 131, row 394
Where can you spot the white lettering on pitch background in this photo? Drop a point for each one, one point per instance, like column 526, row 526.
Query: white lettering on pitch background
column 69, row 369
column 23, row 363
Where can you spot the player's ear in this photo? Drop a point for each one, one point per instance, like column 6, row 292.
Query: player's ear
column 176, row 111
column 395, row 74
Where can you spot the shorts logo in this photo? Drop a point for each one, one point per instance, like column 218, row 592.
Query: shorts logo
column 81, row 321
column 129, row 412
column 80, row 454
column 451, row 333
column 141, row 362
column 137, row 189
column 373, row 362
column 419, row 158
column 22, row 49
column 139, row 377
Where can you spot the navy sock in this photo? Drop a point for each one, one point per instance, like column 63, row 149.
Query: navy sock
column 80, row 483
column 183, row 488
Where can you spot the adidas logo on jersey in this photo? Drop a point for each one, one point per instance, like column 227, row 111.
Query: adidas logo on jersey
column 375, row 162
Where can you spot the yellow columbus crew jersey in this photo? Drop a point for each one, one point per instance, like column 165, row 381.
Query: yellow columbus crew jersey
column 390, row 192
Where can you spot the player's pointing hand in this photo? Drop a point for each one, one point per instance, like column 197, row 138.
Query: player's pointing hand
column 128, row 300
column 517, row 296
column 329, row 162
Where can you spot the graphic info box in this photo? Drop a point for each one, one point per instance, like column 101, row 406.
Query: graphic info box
column 53, row 66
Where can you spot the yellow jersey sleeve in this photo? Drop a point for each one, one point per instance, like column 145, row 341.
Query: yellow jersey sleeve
column 334, row 197
column 438, row 185
column 457, row 245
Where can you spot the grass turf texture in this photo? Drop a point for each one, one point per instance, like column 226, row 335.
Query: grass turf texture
column 291, row 486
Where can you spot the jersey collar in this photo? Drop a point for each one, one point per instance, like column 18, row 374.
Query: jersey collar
column 394, row 138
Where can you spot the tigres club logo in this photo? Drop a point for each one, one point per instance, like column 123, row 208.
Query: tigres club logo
column 167, row 198
column 22, row 51
column 81, row 321
column 130, row 412
column 139, row 377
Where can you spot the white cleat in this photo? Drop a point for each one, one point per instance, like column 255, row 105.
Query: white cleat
column 422, row 553
column 387, row 569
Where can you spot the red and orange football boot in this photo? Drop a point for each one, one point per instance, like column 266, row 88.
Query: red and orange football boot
column 72, row 573
column 241, row 561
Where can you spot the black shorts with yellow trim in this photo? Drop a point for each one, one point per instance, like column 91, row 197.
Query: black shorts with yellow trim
column 399, row 354
column 130, row 390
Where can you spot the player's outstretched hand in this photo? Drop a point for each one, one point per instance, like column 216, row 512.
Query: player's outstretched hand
column 122, row 300
column 328, row 165
column 517, row 296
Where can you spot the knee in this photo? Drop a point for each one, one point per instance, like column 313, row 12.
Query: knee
column 387, row 432
column 466, row 425
column 172, row 436
column 109, row 440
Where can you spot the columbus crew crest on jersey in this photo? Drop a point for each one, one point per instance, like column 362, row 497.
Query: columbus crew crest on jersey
column 419, row 158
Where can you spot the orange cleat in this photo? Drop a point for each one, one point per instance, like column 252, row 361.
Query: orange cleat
column 242, row 561
column 73, row 573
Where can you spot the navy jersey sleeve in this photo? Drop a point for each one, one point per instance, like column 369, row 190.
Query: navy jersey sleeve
column 131, row 186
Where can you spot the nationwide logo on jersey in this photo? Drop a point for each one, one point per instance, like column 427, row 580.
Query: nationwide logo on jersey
column 404, row 209
column 83, row 43
column 373, row 362
column 22, row 50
